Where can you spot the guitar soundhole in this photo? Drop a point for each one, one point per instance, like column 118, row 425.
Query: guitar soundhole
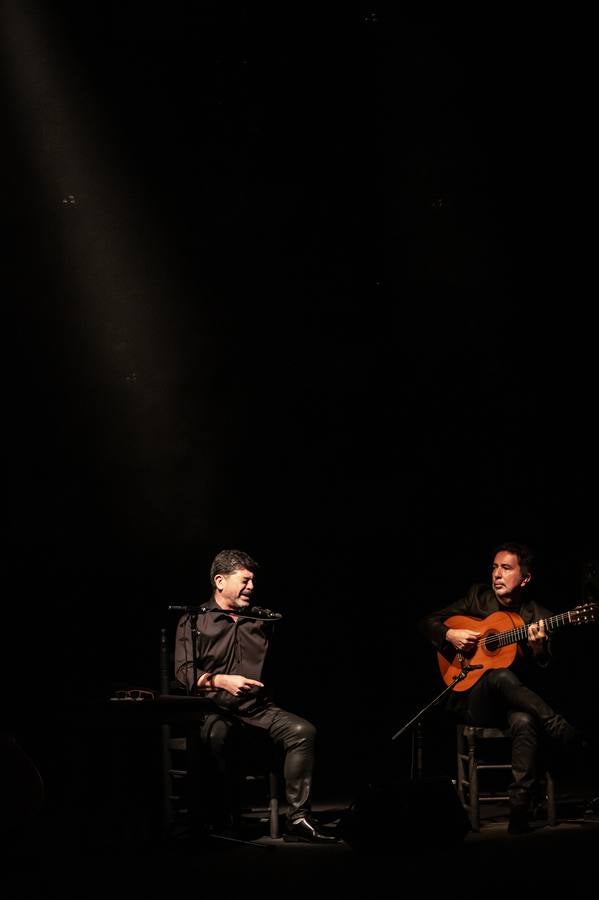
column 491, row 641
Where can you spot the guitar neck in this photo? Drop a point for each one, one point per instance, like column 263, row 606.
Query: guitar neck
column 520, row 633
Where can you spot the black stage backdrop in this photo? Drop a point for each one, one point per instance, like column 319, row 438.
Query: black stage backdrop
column 308, row 282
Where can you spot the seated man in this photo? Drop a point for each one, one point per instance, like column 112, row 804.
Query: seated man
column 503, row 697
column 222, row 651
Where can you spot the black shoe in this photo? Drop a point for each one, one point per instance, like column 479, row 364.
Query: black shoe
column 518, row 823
column 305, row 829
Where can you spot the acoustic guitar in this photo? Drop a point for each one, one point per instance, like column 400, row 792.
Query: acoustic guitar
column 496, row 647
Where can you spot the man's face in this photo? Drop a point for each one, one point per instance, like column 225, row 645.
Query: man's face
column 507, row 577
column 234, row 591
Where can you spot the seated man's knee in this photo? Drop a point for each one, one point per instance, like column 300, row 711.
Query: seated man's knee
column 522, row 722
column 502, row 678
column 305, row 731
column 297, row 733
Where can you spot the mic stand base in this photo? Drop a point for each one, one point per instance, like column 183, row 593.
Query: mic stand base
column 200, row 835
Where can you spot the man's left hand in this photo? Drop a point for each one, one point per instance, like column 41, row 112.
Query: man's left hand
column 537, row 637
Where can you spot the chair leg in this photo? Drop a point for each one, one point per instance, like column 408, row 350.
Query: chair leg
column 460, row 767
column 167, row 808
column 473, row 787
column 551, row 804
column 273, row 804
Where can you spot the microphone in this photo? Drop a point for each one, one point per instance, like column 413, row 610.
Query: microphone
column 470, row 668
column 260, row 612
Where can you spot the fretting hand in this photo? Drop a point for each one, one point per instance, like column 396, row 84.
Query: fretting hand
column 537, row 638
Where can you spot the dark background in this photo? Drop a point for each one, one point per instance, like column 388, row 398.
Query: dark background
column 314, row 282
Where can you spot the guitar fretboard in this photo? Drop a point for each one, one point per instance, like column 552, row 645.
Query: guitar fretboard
column 503, row 638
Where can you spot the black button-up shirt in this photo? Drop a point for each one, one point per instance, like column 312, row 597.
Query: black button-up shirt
column 224, row 646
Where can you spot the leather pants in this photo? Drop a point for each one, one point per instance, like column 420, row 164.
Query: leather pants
column 295, row 736
column 500, row 698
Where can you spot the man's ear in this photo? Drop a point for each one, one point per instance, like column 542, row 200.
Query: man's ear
column 525, row 580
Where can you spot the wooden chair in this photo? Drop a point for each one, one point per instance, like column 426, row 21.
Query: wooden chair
column 186, row 773
column 184, row 757
column 473, row 764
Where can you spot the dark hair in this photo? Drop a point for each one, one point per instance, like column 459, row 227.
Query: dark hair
column 228, row 561
column 522, row 551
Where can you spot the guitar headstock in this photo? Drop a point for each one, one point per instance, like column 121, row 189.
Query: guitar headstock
column 585, row 613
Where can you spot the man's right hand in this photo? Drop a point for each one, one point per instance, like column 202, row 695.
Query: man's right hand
column 235, row 684
column 462, row 639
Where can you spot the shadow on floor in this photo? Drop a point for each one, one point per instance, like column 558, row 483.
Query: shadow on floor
column 74, row 855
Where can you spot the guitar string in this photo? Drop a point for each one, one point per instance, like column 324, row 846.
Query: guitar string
column 585, row 614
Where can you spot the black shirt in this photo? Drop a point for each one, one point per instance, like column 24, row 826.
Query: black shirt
column 225, row 646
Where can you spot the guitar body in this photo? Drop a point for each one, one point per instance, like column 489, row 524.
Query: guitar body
column 498, row 658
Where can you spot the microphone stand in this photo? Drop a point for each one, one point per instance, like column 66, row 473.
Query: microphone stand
column 417, row 719
column 258, row 613
column 193, row 623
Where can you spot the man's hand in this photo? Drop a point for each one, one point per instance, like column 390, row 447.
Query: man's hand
column 462, row 639
column 537, row 638
column 235, row 684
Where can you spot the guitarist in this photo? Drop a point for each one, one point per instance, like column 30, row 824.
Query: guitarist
column 504, row 697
